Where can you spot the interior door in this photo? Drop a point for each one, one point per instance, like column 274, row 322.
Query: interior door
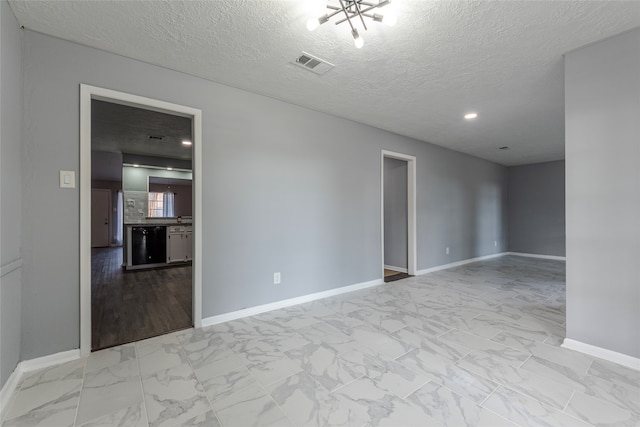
column 100, row 224
column 396, row 214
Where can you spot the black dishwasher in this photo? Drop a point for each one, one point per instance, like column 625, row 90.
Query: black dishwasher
column 149, row 245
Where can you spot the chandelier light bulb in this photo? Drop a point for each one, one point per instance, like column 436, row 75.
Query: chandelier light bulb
column 312, row 24
column 357, row 40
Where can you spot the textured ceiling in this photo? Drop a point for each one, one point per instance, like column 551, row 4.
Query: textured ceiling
column 122, row 129
column 502, row 59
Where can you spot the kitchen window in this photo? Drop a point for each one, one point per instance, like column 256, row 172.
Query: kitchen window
column 161, row 204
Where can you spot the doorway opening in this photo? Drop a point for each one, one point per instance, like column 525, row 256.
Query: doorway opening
column 140, row 186
column 398, row 213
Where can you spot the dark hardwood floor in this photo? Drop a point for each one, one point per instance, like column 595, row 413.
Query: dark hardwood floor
column 129, row 306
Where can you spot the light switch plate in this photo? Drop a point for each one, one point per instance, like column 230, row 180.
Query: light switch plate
column 67, row 179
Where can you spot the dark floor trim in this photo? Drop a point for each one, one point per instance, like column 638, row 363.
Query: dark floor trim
column 396, row 277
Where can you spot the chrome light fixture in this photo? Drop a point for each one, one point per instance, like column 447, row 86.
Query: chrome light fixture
column 354, row 11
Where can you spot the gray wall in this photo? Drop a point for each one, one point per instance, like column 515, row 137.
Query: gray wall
column 10, row 180
column 106, row 166
column 602, row 108
column 536, row 208
column 395, row 213
column 272, row 201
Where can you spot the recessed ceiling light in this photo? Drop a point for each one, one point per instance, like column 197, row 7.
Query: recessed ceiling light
column 503, row 148
column 136, row 166
column 169, row 169
column 470, row 116
column 188, row 143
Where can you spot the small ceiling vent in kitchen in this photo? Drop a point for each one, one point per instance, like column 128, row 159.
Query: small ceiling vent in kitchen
column 313, row 63
column 156, row 137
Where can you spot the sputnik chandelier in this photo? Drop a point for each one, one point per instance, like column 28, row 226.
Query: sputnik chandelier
column 354, row 11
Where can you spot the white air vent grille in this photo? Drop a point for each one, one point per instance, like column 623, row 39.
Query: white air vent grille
column 313, row 63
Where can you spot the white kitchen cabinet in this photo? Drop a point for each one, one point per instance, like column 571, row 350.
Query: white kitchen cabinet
column 179, row 244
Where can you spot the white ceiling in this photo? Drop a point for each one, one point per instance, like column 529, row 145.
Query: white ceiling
column 502, row 59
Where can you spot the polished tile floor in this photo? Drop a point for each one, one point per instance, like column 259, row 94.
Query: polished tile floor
column 473, row 345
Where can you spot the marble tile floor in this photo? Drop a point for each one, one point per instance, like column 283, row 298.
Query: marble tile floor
column 477, row 345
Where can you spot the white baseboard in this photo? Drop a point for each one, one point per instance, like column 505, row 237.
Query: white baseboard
column 50, row 360
column 459, row 263
column 394, row 268
column 602, row 353
column 8, row 389
column 557, row 258
column 25, row 366
column 252, row 311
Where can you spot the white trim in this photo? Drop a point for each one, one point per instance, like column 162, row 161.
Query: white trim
column 50, row 360
column 602, row 353
column 25, row 366
column 197, row 220
column 394, row 268
column 8, row 389
column 85, row 219
column 558, row 258
column 87, row 93
column 459, row 263
column 10, row 267
column 252, row 311
column 412, row 251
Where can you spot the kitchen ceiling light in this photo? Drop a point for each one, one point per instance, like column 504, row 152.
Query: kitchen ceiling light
column 136, row 166
column 187, row 143
column 353, row 9
column 169, row 169
column 471, row 116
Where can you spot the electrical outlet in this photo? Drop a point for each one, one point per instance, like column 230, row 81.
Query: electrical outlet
column 446, row 251
column 276, row 278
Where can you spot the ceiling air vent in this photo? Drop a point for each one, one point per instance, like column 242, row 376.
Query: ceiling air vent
column 156, row 137
column 313, row 63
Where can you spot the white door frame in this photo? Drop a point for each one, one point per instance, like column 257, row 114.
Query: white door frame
column 411, row 208
column 87, row 93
